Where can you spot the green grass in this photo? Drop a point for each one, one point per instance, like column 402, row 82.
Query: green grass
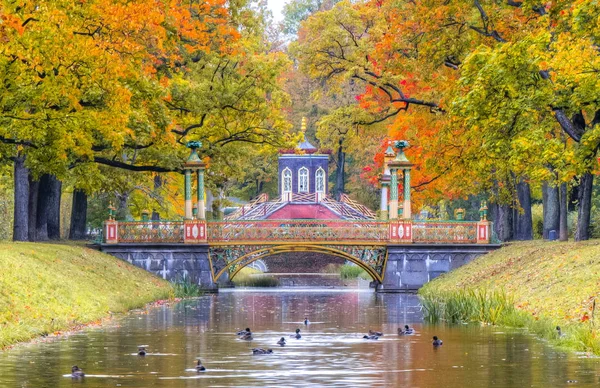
column 250, row 277
column 49, row 288
column 348, row 271
column 534, row 285
column 185, row 288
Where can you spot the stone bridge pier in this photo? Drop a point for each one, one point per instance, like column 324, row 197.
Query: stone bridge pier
column 410, row 266
column 172, row 262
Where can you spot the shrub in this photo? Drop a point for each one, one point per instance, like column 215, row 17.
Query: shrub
column 351, row 271
column 185, row 288
column 250, row 277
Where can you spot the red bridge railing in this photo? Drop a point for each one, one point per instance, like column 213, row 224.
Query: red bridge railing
column 290, row 231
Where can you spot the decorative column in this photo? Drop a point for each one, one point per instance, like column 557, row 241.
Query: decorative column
column 400, row 230
column 111, row 227
column 483, row 226
column 200, row 194
column 385, row 182
column 188, row 194
column 393, row 193
column 194, row 224
column 406, row 209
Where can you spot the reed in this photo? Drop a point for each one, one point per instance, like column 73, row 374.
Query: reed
column 185, row 288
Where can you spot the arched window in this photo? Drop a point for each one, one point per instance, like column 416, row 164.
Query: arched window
column 320, row 181
column 303, row 180
column 286, row 181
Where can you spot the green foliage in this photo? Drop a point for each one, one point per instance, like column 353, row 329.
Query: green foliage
column 537, row 215
column 250, row 277
column 48, row 288
column 351, row 271
column 185, row 288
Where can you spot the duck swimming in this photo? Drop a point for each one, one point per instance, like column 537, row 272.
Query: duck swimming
column 297, row 335
column 371, row 337
column 281, row 342
column 199, row 366
column 407, row 330
column 306, row 321
column 76, row 372
column 262, row 351
column 436, row 341
column 141, row 350
column 247, row 336
column 243, row 332
column 376, row 333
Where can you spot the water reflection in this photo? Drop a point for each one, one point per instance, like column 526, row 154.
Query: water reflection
column 331, row 351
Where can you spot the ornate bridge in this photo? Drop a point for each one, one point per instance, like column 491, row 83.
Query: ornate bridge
column 397, row 252
column 232, row 245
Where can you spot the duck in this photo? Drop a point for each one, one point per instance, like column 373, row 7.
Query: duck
column 199, row 366
column 406, row 331
column 76, row 372
column 370, row 337
column 141, row 350
column 281, row 342
column 247, row 336
column 297, row 335
column 243, row 332
column 262, row 351
column 306, row 321
column 559, row 332
column 436, row 341
column 376, row 333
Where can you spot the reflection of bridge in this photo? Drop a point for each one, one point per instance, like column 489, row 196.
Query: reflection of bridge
column 400, row 253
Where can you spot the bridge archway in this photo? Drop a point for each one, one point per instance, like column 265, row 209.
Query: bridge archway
column 233, row 258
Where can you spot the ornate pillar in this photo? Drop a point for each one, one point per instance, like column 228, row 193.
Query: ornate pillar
column 393, row 193
column 385, row 181
column 406, row 209
column 188, row 194
column 200, row 194
column 194, row 226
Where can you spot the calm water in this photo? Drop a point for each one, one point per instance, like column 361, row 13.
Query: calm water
column 330, row 353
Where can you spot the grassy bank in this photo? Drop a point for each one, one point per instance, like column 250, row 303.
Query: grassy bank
column 48, row 288
column 250, row 277
column 537, row 285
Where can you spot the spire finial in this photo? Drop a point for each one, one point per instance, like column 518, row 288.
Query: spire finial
column 303, row 126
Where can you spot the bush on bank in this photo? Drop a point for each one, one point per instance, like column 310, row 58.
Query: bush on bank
column 250, row 277
column 535, row 285
column 49, row 288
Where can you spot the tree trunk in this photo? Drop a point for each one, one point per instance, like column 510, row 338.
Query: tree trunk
column 585, row 206
column 544, row 209
column 340, row 172
column 21, row 207
column 503, row 223
column 54, row 195
column 157, row 185
column 563, row 234
column 524, row 224
column 43, row 202
column 34, row 187
column 77, row 230
column 551, row 210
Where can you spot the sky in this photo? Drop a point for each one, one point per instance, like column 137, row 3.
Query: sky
column 276, row 6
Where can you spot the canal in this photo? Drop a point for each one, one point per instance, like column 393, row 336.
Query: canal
column 330, row 353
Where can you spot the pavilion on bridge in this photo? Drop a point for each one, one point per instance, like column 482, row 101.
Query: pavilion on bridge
column 303, row 191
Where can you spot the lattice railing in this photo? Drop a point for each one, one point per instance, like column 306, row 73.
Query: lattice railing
column 436, row 232
column 297, row 231
column 150, row 232
column 249, row 207
column 357, row 206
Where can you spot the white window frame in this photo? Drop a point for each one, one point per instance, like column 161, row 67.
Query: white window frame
column 283, row 179
column 320, row 179
column 303, row 171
